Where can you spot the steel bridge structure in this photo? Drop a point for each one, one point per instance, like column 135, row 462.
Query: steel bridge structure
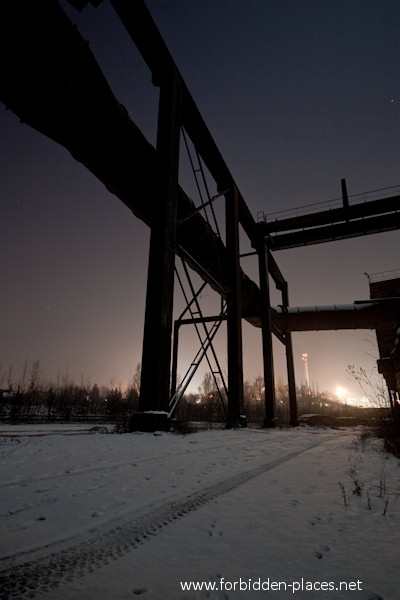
column 55, row 85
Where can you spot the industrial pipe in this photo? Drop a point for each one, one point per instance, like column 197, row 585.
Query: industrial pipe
column 368, row 314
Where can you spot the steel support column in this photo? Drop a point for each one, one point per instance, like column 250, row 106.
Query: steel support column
column 174, row 371
column 156, row 356
column 266, row 327
column 345, row 195
column 290, row 365
column 234, row 308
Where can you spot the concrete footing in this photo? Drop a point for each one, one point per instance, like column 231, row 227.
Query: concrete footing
column 150, row 421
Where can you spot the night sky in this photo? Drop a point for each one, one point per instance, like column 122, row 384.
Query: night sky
column 297, row 95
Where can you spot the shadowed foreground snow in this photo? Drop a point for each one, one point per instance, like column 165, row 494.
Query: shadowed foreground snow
column 89, row 515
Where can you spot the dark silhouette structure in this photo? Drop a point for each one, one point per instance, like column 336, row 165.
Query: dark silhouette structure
column 384, row 287
column 56, row 86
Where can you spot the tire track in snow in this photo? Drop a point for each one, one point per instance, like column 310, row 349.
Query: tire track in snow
column 84, row 470
column 38, row 576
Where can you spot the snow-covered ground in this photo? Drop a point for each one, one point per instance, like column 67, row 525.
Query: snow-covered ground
column 297, row 513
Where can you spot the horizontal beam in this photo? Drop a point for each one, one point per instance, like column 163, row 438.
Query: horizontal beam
column 336, row 215
column 341, row 231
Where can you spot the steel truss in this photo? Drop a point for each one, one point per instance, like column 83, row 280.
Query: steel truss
column 206, row 345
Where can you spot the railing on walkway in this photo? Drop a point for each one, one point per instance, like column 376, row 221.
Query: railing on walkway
column 354, row 199
column 383, row 275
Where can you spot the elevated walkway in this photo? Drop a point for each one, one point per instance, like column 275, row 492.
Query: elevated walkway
column 375, row 211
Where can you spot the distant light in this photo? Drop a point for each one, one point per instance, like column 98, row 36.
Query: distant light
column 360, row 402
column 341, row 392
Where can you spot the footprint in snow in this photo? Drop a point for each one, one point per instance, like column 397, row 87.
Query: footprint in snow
column 319, row 554
column 211, row 532
column 314, row 520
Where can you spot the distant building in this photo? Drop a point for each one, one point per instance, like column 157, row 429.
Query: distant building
column 387, row 285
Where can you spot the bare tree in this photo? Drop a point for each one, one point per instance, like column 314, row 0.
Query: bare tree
column 22, row 379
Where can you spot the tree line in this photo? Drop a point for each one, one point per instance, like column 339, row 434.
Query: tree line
column 28, row 396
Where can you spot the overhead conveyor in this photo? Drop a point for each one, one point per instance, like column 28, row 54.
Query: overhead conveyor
column 371, row 212
column 51, row 80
